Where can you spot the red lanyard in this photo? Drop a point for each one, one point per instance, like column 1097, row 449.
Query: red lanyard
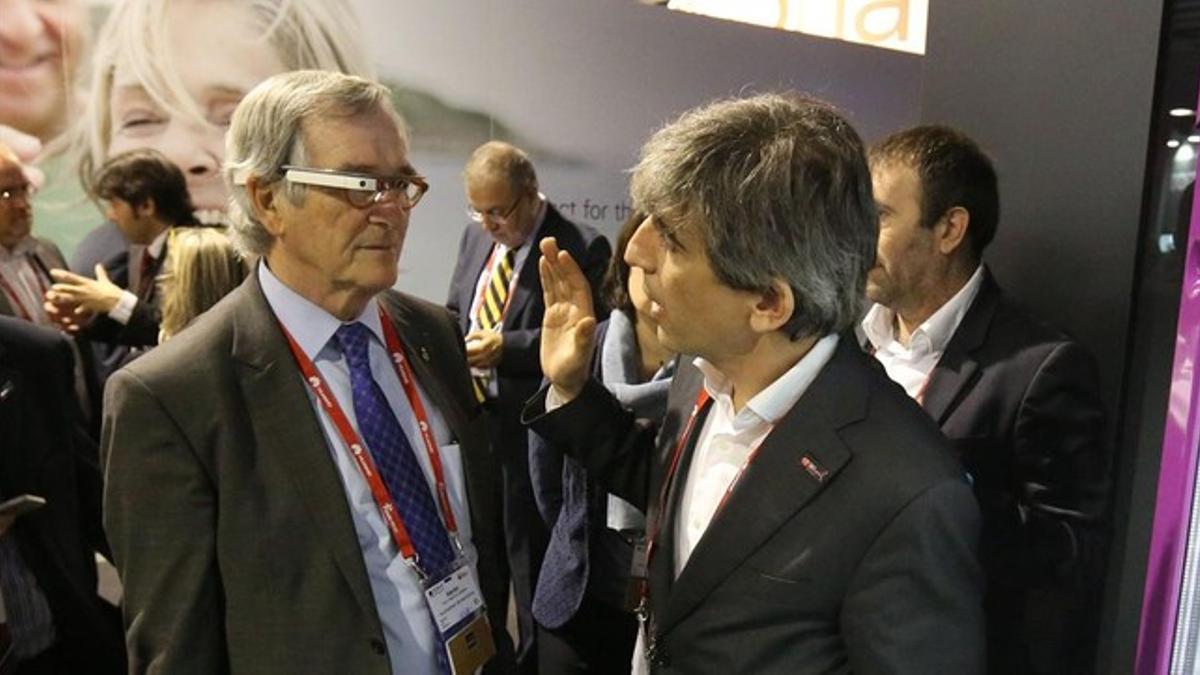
column 15, row 298
column 356, row 448
column 482, row 290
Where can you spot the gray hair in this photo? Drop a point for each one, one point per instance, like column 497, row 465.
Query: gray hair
column 780, row 188
column 265, row 128
column 502, row 160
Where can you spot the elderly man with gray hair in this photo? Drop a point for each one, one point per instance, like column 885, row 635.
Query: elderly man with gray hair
column 804, row 516
column 293, row 484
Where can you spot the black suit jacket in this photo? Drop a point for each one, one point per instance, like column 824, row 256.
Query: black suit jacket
column 1020, row 402
column 227, row 515
column 849, row 543
column 40, row 454
column 520, row 371
column 142, row 328
column 47, row 256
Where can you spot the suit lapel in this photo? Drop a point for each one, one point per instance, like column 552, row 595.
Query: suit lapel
column 288, row 430
column 958, row 366
column 477, row 250
column 529, row 281
column 661, row 573
column 795, row 462
column 421, row 350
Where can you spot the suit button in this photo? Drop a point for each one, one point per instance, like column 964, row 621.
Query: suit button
column 378, row 647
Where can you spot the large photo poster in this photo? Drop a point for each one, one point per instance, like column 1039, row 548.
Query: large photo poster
column 578, row 85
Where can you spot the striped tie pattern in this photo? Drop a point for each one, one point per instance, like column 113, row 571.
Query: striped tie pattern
column 491, row 310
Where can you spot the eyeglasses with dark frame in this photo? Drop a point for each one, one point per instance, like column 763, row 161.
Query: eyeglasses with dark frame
column 495, row 215
column 361, row 190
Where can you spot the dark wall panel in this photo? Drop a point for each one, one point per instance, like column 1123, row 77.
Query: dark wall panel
column 1061, row 94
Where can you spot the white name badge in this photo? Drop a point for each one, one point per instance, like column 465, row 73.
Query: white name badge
column 461, row 618
column 454, row 599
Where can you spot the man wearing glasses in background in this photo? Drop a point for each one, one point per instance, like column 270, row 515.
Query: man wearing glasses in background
column 497, row 294
column 295, row 483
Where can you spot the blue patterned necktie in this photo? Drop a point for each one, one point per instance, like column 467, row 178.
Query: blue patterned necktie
column 394, row 456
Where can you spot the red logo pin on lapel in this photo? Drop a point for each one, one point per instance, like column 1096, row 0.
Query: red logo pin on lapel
column 815, row 470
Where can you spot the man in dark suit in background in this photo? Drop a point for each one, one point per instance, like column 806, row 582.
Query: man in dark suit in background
column 47, row 572
column 286, row 477
column 1017, row 397
column 497, row 295
column 804, row 516
column 146, row 195
column 25, row 264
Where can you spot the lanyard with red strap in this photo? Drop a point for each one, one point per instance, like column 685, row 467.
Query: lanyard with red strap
column 640, row 589
column 15, row 298
column 362, row 458
column 702, row 400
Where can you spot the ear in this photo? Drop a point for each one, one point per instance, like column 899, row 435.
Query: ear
column 951, row 230
column 264, row 202
column 773, row 307
column 147, row 209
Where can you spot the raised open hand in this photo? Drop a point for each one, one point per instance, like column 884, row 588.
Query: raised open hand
column 569, row 324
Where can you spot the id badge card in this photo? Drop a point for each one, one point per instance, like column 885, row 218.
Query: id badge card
column 636, row 588
column 461, row 619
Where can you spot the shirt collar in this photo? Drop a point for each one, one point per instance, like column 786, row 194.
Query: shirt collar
column 773, row 402
column 156, row 247
column 309, row 325
column 879, row 325
column 539, row 219
column 22, row 249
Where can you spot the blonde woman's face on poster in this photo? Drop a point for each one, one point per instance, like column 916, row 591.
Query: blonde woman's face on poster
column 40, row 42
column 219, row 57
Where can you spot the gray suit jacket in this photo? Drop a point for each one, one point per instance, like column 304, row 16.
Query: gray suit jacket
column 46, row 257
column 226, row 513
column 849, row 544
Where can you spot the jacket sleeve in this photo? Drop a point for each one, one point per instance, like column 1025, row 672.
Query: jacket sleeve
column 163, row 548
column 140, row 331
column 521, row 351
column 913, row 605
column 614, row 446
column 1061, row 473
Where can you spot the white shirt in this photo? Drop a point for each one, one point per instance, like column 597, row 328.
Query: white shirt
column 724, row 443
column 122, row 312
column 485, row 276
column 728, row 437
column 407, row 624
column 910, row 366
column 23, row 283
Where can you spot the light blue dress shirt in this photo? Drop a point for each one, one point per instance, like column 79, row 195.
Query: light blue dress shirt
column 399, row 598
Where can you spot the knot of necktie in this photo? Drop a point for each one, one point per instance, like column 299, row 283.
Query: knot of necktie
column 352, row 339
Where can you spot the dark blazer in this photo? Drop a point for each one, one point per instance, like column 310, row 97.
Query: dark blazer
column 226, row 512
column 520, row 369
column 39, row 454
column 1020, row 402
column 849, row 543
column 518, row 376
column 46, row 257
column 142, row 327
